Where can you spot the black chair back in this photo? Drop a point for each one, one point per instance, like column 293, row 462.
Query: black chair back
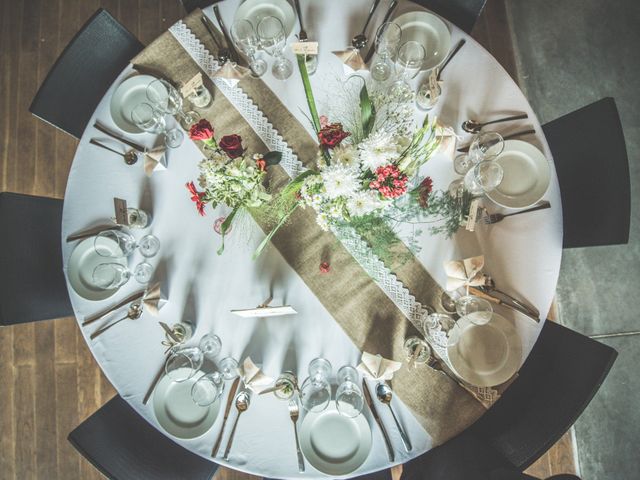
column 463, row 13
column 560, row 377
column 191, row 5
column 123, row 446
column 84, row 72
column 32, row 284
column 590, row 155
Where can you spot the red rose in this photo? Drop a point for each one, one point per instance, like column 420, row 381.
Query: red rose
column 201, row 130
column 232, row 145
column 331, row 135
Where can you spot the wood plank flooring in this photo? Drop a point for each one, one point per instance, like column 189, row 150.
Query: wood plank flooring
column 49, row 379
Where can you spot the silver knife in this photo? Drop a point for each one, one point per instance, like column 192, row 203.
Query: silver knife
column 98, row 126
column 90, row 232
column 386, row 18
column 374, row 412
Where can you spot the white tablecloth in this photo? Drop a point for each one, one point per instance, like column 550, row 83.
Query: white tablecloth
column 522, row 254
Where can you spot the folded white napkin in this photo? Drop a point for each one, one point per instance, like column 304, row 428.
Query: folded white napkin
column 351, row 58
column 154, row 161
column 154, row 299
column 463, row 273
column 252, row 376
column 376, row 367
column 231, row 72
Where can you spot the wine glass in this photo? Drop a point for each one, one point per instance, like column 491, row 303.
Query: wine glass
column 151, row 120
column 166, row 98
column 245, row 38
column 228, row 366
column 485, row 146
column 479, row 307
column 388, row 38
column 349, row 401
column 114, row 244
column 442, row 329
column 210, row 345
column 110, row 275
column 315, row 393
column 409, row 61
column 272, row 38
column 183, row 363
column 207, row 389
column 483, row 177
column 143, row 272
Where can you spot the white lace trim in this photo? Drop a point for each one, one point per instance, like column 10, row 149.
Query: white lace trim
column 354, row 244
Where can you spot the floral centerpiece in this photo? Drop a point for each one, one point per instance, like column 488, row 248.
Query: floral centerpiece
column 229, row 175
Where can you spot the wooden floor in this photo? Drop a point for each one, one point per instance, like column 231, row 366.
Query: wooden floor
column 49, row 381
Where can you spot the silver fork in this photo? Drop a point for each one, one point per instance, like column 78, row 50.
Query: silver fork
column 294, row 413
column 491, row 218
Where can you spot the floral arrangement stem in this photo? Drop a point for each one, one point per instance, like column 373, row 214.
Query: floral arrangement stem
column 268, row 238
column 224, row 228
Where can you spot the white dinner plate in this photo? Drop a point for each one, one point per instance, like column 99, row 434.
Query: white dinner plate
column 256, row 10
column 526, row 175
column 176, row 411
column 428, row 30
column 129, row 94
column 84, row 259
column 488, row 354
column 335, row 444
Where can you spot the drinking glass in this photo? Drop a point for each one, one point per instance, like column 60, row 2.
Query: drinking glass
column 349, row 401
column 408, row 63
column 151, row 120
column 481, row 309
column 484, row 147
column 229, row 368
column 149, row 245
column 315, row 393
column 143, row 272
column 388, row 38
column 441, row 328
column 273, row 39
column 104, row 246
column 210, row 345
column 207, row 389
column 110, row 275
column 201, row 97
column 287, row 384
column 166, row 98
column 411, row 346
column 245, row 38
column 183, row 363
column 483, row 177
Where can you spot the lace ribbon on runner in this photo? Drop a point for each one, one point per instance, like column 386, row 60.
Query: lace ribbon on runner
column 354, row 244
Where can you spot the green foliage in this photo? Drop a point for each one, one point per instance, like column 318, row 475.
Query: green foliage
column 367, row 112
column 272, row 158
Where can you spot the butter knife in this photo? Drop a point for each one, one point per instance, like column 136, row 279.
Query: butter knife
column 227, row 37
column 154, row 382
column 98, row 126
column 374, row 412
column 230, row 398
column 479, row 293
column 386, row 18
column 126, row 301
column 90, row 232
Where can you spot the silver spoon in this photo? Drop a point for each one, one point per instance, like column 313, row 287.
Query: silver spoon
column 360, row 40
column 473, row 126
column 135, row 311
column 242, row 404
column 130, row 157
column 384, row 394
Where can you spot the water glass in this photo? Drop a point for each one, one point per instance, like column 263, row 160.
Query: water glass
column 442, row 329
column 483, row 177
column 207, row 389
column 387, row 41
column 273, row 39
column 114, row 244
column 183, row 363
column 228, row 367
column 143, row 272
column 479, row 307
column 110, row 275
column 201, row 97
column 245, row 38
column 151, row 120
column 138, row 218
column 315, row 393
column 287, row 383
column 349, row 401
column 409, row 61
column 210, row 345
column 417, row 350
column 149, row 246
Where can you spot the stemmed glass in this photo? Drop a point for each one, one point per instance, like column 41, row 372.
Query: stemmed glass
column 484, row 147
column 183, row 363
column 349, row 401
column 442, row 329
column 228, row 366
column 168, row 100
column 479, row 307
column 483, row 177
column 408, row 63
column 207, row 389
column 210, row 345
column 151, row 120
column 107, row 276
column 148, row 245
column 245, row 38
column 388, row 38
column 315, row 393
column 273, row 39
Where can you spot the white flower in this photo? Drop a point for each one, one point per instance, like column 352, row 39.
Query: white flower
column 377, row 150
column 345, row 155
column 362, row 203
column 340, row 181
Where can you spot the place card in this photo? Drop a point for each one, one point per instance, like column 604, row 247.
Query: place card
column 265, row 312
column 122, row 217
column 305, row 48
column 473, row 214
column 192, row 85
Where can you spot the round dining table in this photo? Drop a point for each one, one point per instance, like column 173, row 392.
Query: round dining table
column 522, row 253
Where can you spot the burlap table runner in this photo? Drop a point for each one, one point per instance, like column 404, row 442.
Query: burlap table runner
column 355, row 301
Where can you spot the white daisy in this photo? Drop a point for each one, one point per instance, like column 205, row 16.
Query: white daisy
column 345, row 155
column 363, row 203
column 340, row 181
column 377, row 150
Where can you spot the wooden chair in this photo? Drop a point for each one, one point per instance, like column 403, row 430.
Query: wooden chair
column 590, row 156
column 190, row 5
column 84, row 72
column 32, row 283
column 463, row 13
column 124, row 446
